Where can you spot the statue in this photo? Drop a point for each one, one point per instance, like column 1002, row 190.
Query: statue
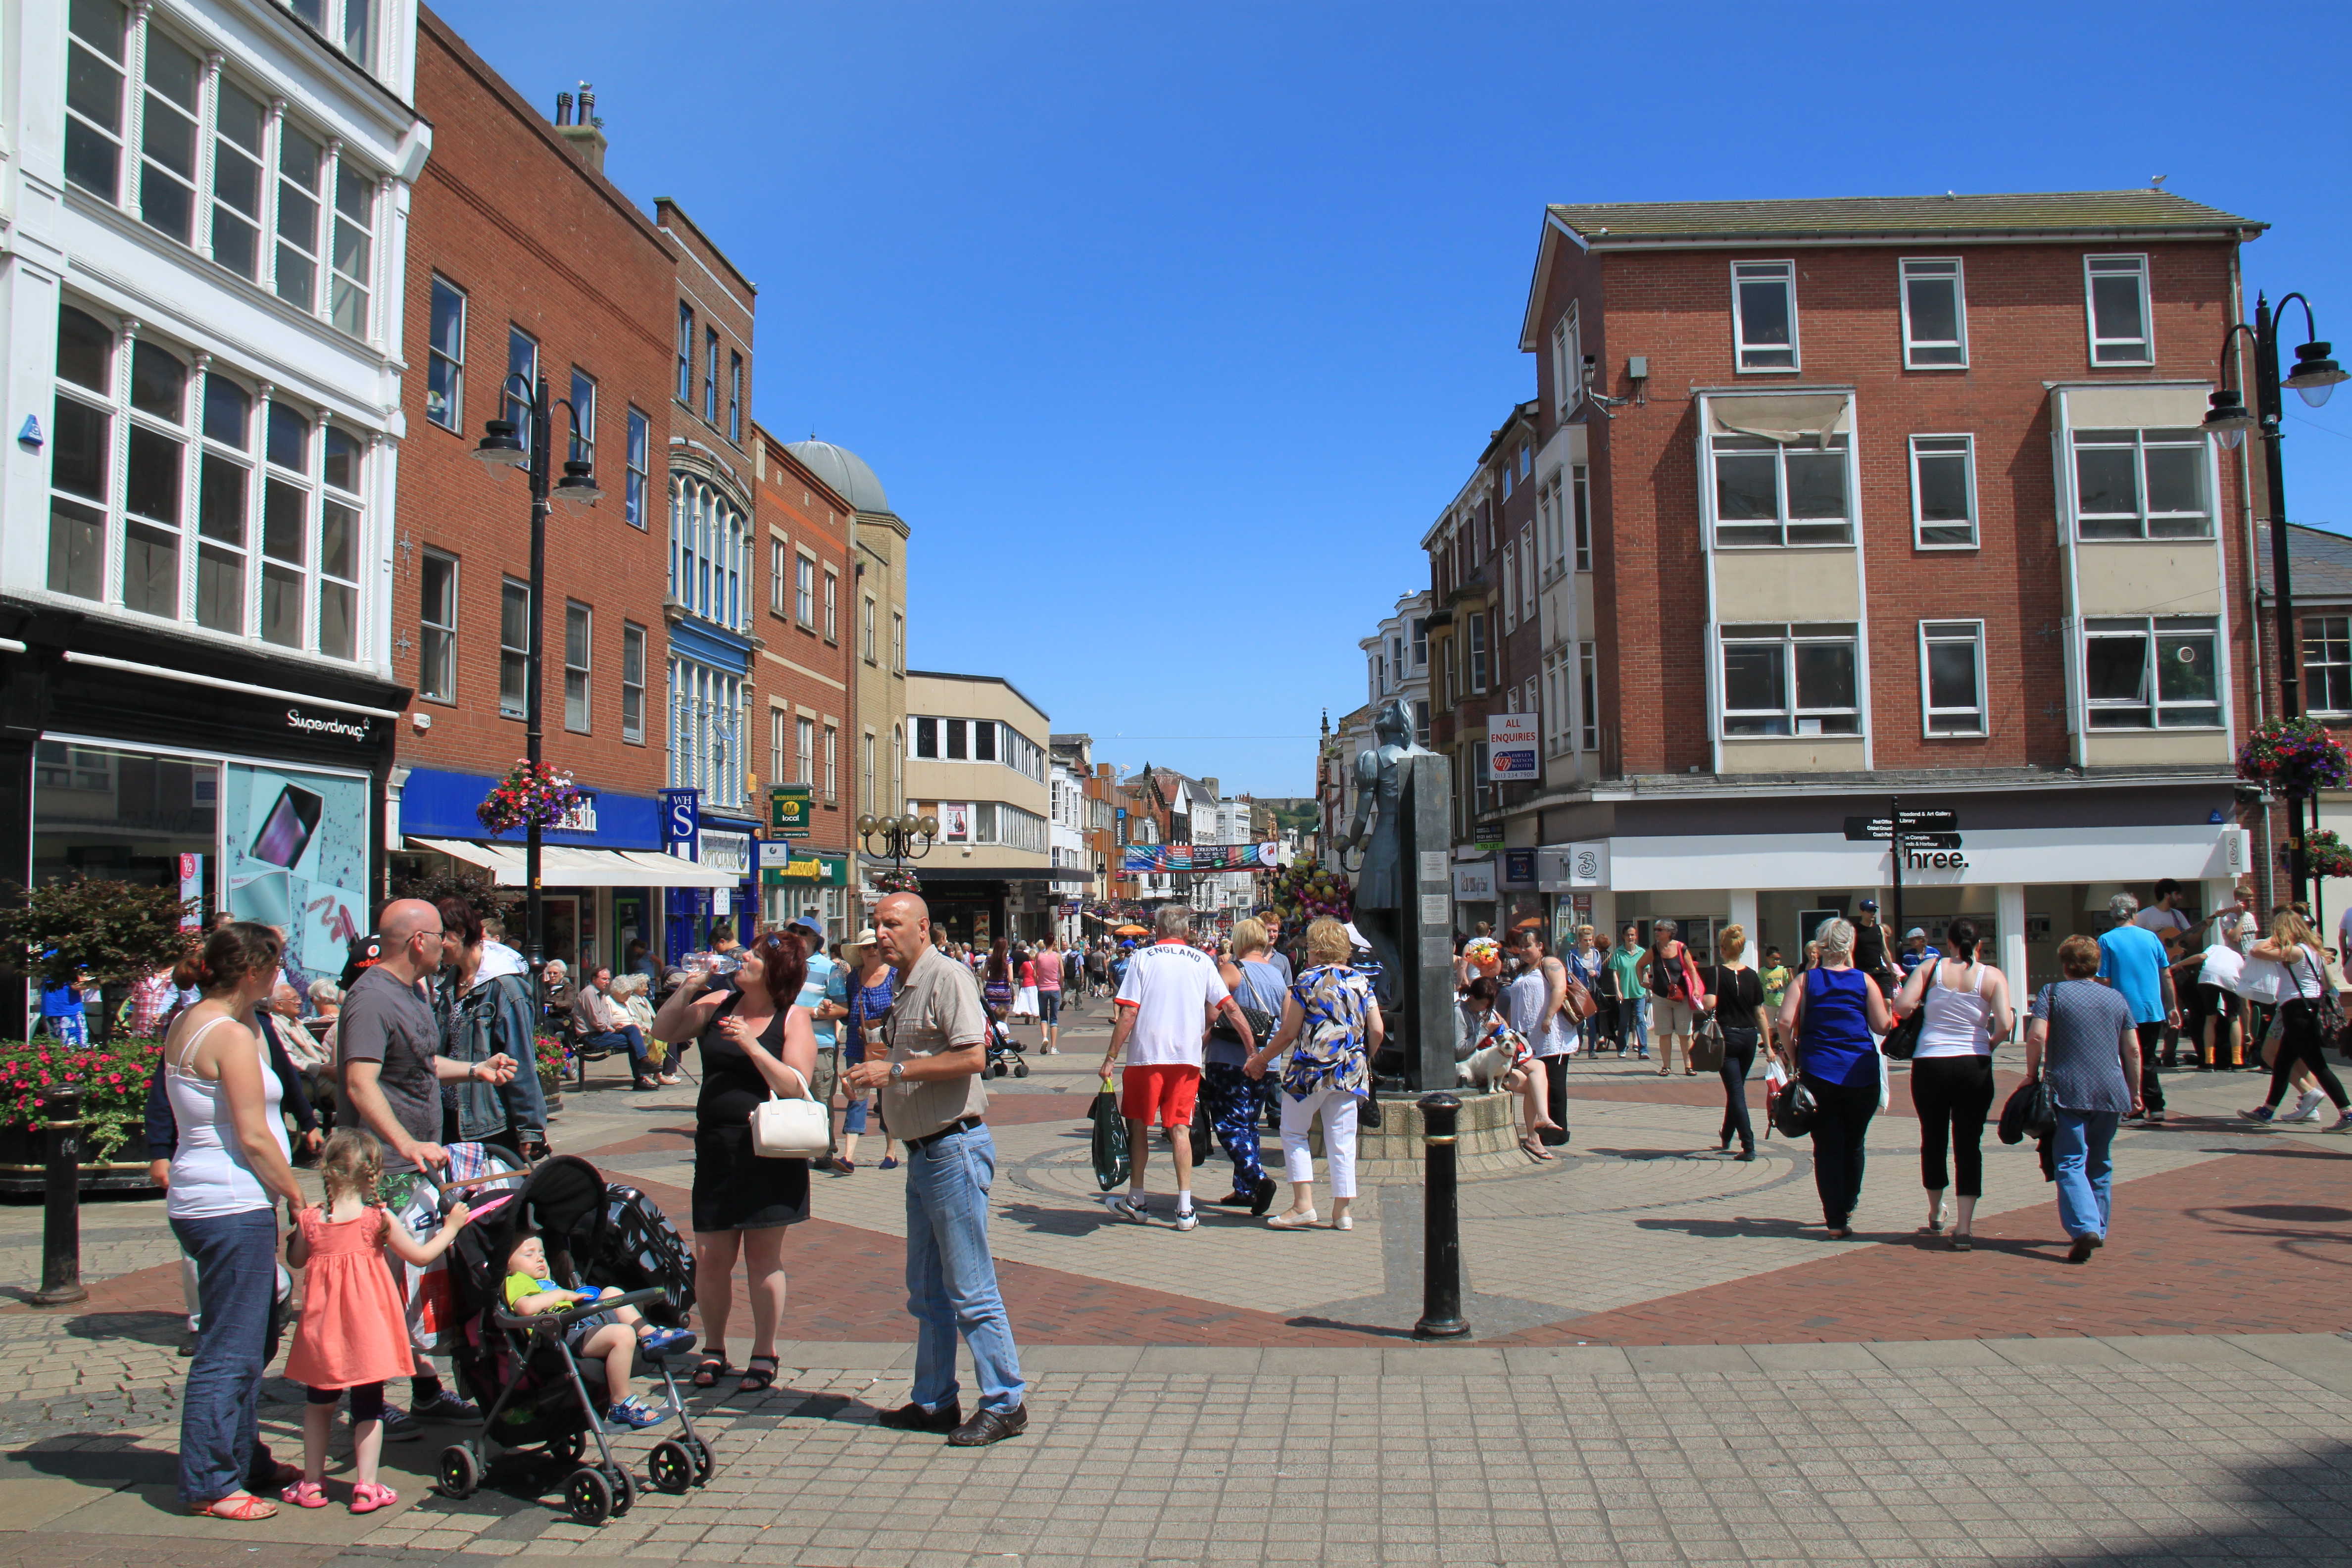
column 1382, row 886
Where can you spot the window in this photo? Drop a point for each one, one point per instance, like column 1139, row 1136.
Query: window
column 1527, row 572
column 352, row 258
column 523, row 360
column 302, row 166
column 576, row 641
column 1510, row 595
column 711, row 375
column 709, row 551
column 710, row 732
column 927, row 737
column 898, row 642
column 735, row 397
column 868, row 632
column 686, row 353
column 359, row 30
column 2327, row 664
column 777, row 722
column 223, row 486
column 1588, row 691
column 1944, row 491
column 2115, row 289
column 339, row 545
column 1568, row 362
column 1555, row 722
column 832, row 605
column 1477, row 631
column 959, row 747
column 1934, row 315
column 805, row 751
column 514, row 648
column 2141, row 484
column 633, row 503
column 97, row 31
column 1421, row 722
column 1421, row 642
column 285, row 524
column 632, row 683
column 1764, row 314
column 1580, row 513
column 1758, row 690
column 584, row 409
column 1527, row 460
column 151, row 481
column 1768, row 494
column 1527, row 700
column 437, row 656
column 832, row 762
column 983, row 741
column 168, row 134
column 869, row 806
column 776, row 576
column 2124, row 660
column 445, row 358
column 1951, row 676
column 805, row 591
column 239, row 119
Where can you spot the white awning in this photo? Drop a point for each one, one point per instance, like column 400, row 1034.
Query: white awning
column 569, row 866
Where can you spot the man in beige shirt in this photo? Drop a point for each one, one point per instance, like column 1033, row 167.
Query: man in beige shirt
column 933, row 1100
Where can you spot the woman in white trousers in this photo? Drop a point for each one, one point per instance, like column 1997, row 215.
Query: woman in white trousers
column 1331, row 1026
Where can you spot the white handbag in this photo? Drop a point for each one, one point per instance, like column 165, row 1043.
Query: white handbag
column 800, row 1127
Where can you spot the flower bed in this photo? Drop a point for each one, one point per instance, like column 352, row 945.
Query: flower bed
column 113, row 1082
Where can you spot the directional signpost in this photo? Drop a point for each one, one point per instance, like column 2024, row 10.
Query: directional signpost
column 1934, row 835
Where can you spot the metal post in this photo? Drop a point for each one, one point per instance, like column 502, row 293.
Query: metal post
column 2269, row 407
column 535, row 938
column 1441, row 1285
column 1887, row 938
column 62, row 1222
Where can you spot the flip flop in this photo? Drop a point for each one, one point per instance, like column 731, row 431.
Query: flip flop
column 754, row 1379
column 710, row 1369
column 241, row 1507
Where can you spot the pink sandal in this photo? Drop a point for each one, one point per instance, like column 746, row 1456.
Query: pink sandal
column 305, row 1494
column 367, row 1497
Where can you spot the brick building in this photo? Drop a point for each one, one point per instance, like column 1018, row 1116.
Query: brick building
column 805, row 678
column 525, row 259
column 1839, row 501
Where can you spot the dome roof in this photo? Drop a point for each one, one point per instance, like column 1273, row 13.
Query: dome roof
column 844, row 470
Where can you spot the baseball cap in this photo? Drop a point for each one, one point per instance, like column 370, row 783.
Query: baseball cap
column 1868, row 906
column 808, row 925
column 365, row 954
column 1915, row 930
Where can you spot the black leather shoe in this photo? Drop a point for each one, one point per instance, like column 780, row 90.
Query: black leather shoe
column 1263, row 1199
column 990, row 1427
column 915, row 1418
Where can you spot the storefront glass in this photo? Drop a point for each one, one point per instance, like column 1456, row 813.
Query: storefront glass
column 296, row 857
column 100, row 811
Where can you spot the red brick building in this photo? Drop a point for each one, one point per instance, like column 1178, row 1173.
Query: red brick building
column 525, row 259
column 1841, row 500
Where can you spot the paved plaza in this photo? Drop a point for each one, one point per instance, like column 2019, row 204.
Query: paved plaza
column 1670, row 1365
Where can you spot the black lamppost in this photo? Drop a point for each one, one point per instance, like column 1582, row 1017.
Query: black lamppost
column 898, row 835
column 500, row 448
column 2314, row 377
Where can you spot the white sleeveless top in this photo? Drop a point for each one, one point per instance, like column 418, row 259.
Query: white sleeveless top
column 1958, row 1023
column 210, row 1173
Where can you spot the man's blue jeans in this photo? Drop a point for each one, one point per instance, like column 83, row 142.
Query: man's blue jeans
column 2085, row 1174
column 631, row 1037
column 951, row 1278
column 220, row 1407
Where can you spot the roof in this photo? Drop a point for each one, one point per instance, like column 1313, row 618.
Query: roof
column 1863, row 218
column 844, row 470
column 2320, row 560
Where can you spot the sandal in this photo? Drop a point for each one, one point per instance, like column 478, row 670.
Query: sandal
column 367, row 1497
column 1534, row 1150
column 1963, row 1242
column 238, row 1508
column 755, row 1380
column 710, row 1369
column 305, row 1494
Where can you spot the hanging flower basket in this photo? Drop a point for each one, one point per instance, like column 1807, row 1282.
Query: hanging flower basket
column 2293, row 757
column 528, row 795
column 2327, row 856
column 897, row 881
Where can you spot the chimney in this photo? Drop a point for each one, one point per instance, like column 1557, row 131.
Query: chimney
column 585, row 133
column 564, row 109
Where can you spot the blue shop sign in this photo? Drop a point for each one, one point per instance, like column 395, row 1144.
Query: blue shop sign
column 681, row 823
column 436, row 803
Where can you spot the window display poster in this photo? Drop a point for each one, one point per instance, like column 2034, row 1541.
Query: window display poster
column 297, row 858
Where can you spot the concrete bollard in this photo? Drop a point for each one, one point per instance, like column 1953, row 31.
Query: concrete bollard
column 61, row 1224
column 1441, row 1286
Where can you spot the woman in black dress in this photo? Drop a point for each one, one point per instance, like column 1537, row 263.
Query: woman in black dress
column 755, row 1042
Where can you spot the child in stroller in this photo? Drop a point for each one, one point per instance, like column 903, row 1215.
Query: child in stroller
column 546, row 1283
column 1003, row 1051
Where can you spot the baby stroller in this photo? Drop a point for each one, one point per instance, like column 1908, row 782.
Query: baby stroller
column 1003, row 1051
column 535, row 1392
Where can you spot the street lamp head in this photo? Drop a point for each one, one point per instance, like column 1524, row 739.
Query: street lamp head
column 866, row 826
column 578, row 486
column 498, row 447
column 2316, row 375
column 929, row 828
column 2227, row 418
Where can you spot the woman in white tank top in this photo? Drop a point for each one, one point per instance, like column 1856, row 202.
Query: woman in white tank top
column 1968, row 1012
column 229, row 1167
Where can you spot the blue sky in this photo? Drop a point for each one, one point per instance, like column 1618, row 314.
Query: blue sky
column 1170, row 328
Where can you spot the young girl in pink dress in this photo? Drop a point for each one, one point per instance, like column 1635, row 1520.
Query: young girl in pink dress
column 354, row 1335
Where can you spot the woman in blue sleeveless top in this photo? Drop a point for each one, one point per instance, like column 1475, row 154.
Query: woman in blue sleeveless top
column 1831, row 1016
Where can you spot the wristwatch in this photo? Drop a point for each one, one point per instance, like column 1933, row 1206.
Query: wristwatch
column 898, row 1072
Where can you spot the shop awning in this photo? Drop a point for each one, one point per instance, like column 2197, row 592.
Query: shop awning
column 569, row 866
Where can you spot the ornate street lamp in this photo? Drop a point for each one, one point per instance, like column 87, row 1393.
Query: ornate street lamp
column 498, row 448
column 903, row 839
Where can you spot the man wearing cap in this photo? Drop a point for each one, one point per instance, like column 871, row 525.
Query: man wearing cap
column 1918, row 950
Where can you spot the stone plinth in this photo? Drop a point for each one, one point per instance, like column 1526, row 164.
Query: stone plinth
column 1486, row 1138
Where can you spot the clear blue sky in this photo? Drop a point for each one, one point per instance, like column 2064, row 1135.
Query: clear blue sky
column 1170, row 328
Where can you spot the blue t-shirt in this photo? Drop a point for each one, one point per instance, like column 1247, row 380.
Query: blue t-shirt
column 1833, row 1039
column 2132, row 960
column 813, row 991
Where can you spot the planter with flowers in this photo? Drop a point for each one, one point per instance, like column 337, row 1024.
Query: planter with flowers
column 2293, row 757
column 539, row 793
column 900, row 880
column 2324, row 855
column 112, row 1079
column 551, row 1063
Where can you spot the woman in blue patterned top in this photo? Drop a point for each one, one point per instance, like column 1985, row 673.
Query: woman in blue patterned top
column 1331, row 1026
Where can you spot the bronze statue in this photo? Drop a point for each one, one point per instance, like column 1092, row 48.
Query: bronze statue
column 1382, row 883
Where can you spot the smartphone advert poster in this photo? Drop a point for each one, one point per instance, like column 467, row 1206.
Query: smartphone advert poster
column 298, row 859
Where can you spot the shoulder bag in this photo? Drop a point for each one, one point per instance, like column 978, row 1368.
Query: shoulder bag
column 1706, row 1035
column 795, row 1129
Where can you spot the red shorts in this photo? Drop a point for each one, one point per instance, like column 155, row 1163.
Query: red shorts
column 1162, row 1093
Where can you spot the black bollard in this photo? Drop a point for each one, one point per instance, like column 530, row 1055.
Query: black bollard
column 1441, row 1284
column 61, row 1225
